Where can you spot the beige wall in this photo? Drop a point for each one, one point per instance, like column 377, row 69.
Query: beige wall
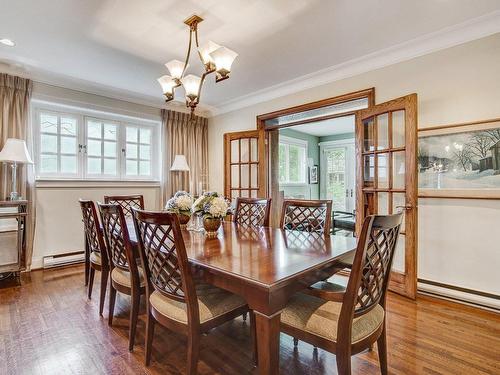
column 458, row 239
column 58, row 221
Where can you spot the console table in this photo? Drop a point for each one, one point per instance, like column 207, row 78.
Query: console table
column 12, row 236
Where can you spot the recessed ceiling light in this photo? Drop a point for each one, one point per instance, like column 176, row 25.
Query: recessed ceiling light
column 7, row 42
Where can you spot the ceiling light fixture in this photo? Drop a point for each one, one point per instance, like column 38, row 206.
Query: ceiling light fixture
column 214, row 57
column 7, row 42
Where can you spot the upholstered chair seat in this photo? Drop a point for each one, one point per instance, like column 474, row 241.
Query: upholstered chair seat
column 212, row 303
column 320, row 318
column 95, row 258
column 122, row 277
column 329, row 286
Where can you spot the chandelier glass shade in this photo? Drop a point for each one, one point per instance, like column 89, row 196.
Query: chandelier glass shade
column 215, row 58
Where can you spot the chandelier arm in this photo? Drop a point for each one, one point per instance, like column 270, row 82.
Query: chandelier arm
column 198, row 46
column 188, row 53
column 201, row 86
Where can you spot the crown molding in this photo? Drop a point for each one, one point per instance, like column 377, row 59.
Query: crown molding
column 464, row 32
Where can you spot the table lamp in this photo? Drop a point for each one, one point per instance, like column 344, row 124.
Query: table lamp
column 180, row 165
column 14, row 152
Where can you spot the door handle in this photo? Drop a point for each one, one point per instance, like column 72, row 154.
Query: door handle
column 405, row 207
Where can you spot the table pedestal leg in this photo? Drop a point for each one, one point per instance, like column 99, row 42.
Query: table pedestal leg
column 268, row 343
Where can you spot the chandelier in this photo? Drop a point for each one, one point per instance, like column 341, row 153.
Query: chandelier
column 215, row 58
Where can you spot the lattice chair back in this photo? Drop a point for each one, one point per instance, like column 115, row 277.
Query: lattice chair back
column 307, row 215
column 164, row 257
column 116, row 235
column 91, row 227
column 127, row 202
column 372, row 264
column 252, row 211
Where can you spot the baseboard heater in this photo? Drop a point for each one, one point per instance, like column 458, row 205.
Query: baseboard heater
column 63, row 259
column 467, row 296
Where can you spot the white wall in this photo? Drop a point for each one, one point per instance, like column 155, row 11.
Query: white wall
column 58, row 221
column 459, row 240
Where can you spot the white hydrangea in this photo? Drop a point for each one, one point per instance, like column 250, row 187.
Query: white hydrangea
column 184, row 202
column 218, row 207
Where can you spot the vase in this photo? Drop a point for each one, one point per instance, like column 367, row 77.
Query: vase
column 183, row 220
column 211, row 225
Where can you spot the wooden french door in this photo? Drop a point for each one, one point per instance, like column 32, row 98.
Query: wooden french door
column 244, row 169
column 386, row 178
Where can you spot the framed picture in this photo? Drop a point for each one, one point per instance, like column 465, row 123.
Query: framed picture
column 313, row 174
column 460, row 161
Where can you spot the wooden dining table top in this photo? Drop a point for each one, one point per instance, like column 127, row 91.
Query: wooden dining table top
column 262, row 256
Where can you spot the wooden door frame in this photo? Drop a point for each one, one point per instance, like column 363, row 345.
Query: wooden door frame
column 266, row 130
column 406, row 283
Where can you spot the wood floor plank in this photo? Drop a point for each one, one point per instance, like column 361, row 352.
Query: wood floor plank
column 48, row 326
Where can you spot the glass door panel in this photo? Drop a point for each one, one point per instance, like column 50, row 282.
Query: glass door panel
column 244, row 169
column 387, row 133
column 336, row 188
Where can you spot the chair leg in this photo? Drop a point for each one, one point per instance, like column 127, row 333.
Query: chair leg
column 343, row 358
column 253, row 330
column 104, row 286
column 244, row 316
column 193, row 352
column 87, row 263
column 112, row 298
column 134, row 315
column 150, row 330
column 382, row 351
column 91, row 282
column 295, row 341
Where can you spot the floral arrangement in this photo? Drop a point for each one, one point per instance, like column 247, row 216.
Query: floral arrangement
column 211, row 205
column 180, row 203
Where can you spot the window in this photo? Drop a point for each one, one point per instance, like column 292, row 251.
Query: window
column 292, row 161
column 77, row 146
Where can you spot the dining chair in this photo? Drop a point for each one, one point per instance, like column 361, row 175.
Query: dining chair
column 174, row 299
column 96, row 249
column 307, row 215
column 127, row 202
column 252, row 211
column 350, row 320
column 126, row 276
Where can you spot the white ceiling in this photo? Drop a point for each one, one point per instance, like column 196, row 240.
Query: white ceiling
column 339, row 125
column 120, row 46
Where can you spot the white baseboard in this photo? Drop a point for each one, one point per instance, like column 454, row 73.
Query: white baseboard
column 485, row 302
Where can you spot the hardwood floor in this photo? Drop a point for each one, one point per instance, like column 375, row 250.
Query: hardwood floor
column 48, row 326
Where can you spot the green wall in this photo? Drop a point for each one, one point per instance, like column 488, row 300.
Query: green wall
column 309, row 191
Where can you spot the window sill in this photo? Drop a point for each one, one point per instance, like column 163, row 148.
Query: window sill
column 71, row 184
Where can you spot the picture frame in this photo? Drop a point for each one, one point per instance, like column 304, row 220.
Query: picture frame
column 460, row 160
column 313, row 175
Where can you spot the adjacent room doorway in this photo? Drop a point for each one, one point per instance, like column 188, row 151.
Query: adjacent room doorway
column 372, row 172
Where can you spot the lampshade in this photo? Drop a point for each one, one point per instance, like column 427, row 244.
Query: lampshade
column 180, row 164
column 223, row 58
column 191, row 84
column 206, row 49
column 176, row 68
column 167, row 84
column 15, row 150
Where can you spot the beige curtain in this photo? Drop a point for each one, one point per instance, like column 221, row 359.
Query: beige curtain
column 188, row 136
column 15, row 94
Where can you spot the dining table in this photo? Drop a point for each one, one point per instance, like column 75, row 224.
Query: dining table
column 265, row 266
